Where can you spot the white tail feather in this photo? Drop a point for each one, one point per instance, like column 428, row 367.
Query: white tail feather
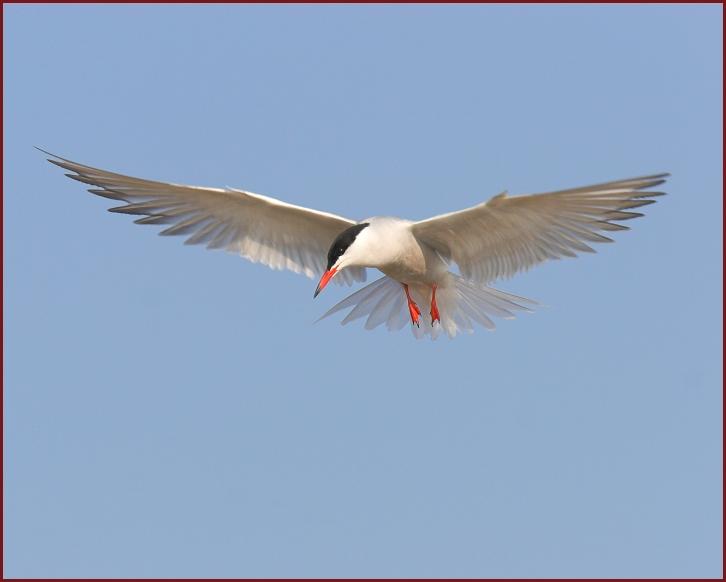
column 461, row 305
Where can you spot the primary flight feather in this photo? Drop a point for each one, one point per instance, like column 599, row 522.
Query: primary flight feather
column 492, row 240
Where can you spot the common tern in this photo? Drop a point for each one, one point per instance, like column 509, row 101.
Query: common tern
column 492, row 240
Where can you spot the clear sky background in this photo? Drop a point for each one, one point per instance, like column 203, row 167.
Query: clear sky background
column 171, row 411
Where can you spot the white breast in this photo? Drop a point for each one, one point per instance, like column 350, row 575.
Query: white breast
column 393, row 249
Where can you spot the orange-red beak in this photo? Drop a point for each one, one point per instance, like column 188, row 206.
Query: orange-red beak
column 324, row 280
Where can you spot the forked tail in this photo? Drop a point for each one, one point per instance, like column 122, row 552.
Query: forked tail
column 461, row 304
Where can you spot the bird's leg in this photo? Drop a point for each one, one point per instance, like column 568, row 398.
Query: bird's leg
column 412, row 307
column 434, row 308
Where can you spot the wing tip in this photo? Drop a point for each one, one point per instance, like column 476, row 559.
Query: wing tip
column 58, row 160
column 46, row 152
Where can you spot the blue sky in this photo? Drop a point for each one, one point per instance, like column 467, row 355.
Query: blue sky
column 171, row 411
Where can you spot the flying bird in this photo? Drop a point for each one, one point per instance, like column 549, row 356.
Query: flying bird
column 492, row 240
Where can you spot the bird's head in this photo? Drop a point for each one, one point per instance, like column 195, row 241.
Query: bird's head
column 344, row 252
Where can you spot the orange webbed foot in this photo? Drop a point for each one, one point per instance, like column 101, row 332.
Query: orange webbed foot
column 413, row 309
column 434, row 308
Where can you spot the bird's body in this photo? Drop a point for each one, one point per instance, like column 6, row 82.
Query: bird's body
column 389, row 245
column 489, row 241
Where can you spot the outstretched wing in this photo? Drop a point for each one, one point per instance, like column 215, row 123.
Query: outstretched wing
column 510, row 234
column 261, row 229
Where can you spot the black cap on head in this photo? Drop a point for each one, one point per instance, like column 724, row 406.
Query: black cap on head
column 342, row 242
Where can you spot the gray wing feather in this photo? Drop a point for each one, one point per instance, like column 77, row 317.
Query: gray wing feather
column 258, row 228
column 506, row 235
